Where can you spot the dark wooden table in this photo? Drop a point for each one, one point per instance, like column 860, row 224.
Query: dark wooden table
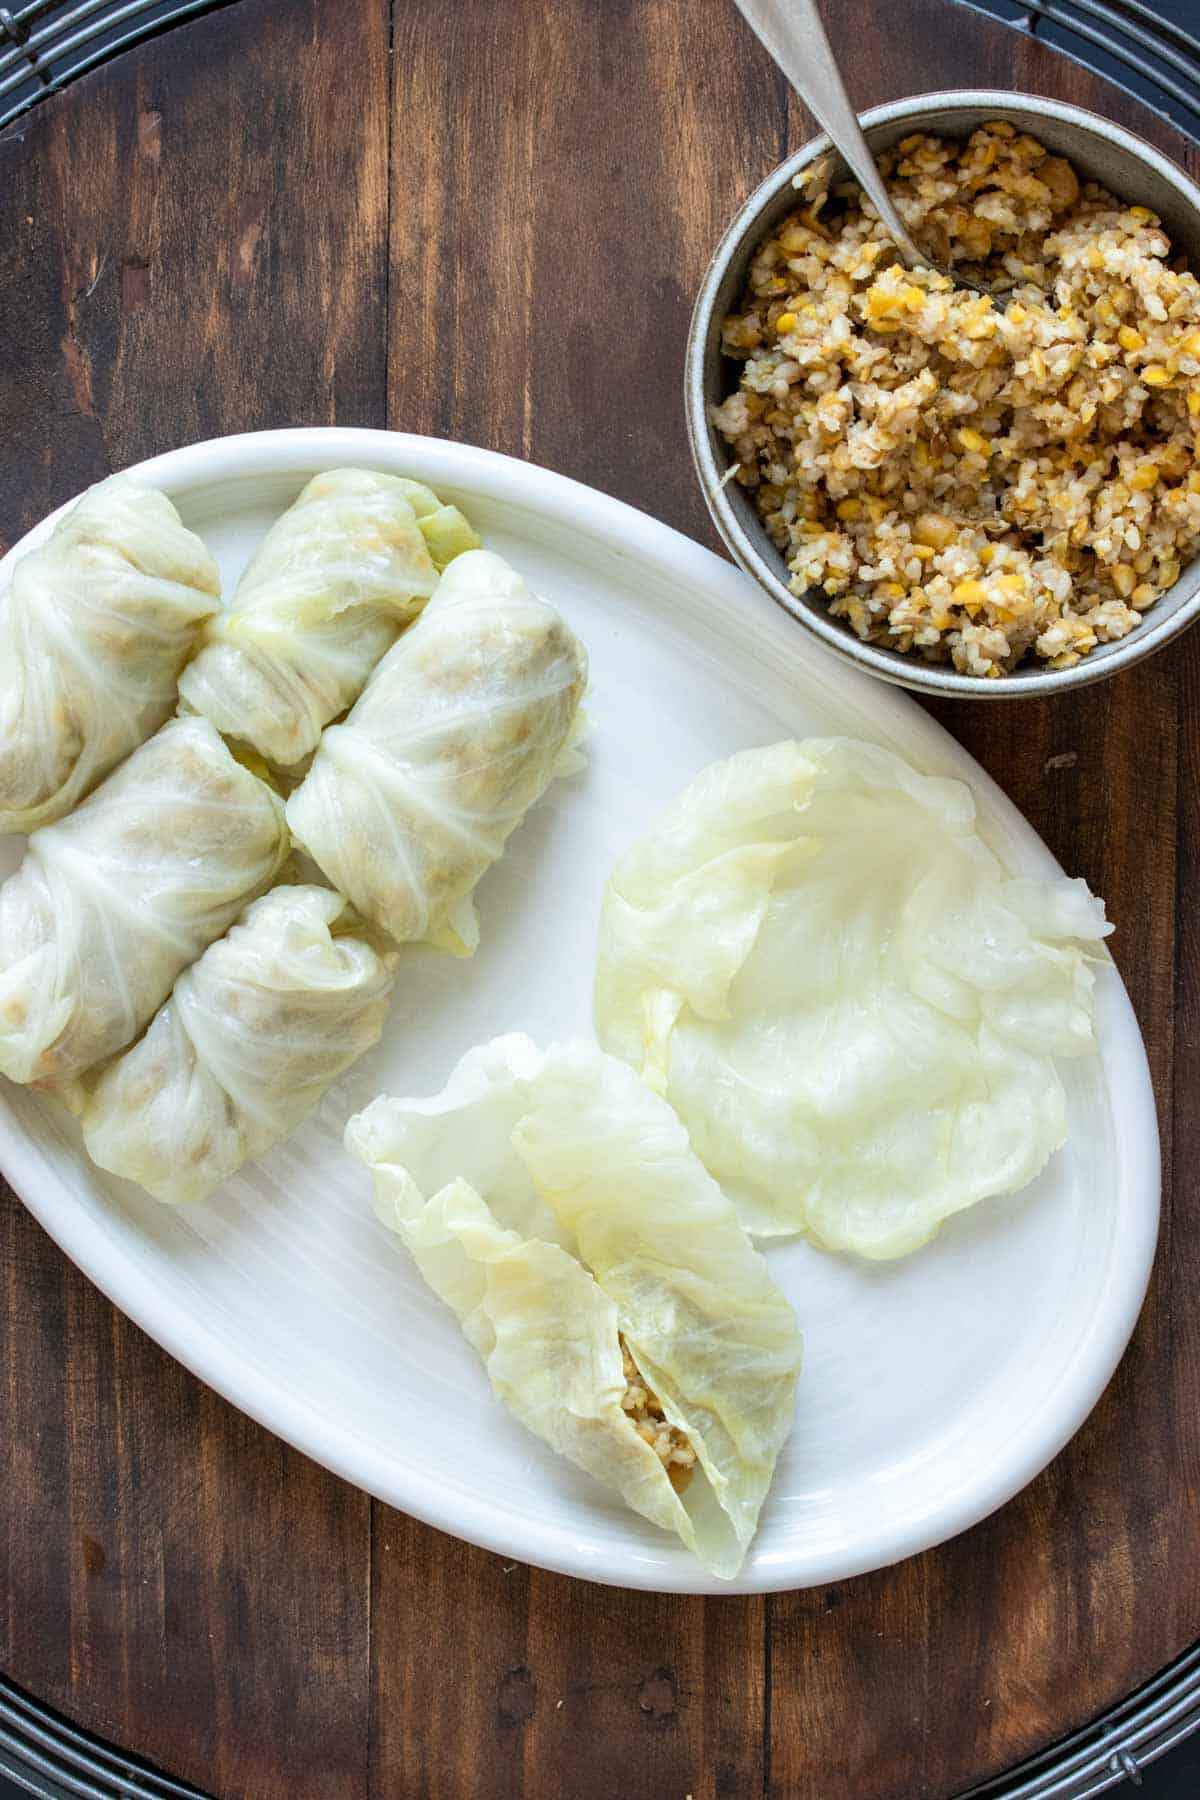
column 486, row 220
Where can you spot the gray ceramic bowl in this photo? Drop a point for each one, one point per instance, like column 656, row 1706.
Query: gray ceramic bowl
column 1103, row 152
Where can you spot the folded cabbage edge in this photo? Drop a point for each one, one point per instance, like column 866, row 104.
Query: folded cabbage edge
column 599, row 1226
column 95, row 626
column 455, row 737
column 253, row 1036
column 693, row 914
column 106, row 910
column 329, row 590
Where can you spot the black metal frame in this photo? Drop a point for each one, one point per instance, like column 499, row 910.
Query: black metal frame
column 46, row 1755
column 1150, row 55
column 44, row 44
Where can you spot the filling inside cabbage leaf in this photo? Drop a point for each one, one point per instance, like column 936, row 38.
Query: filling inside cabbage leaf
column 113, row 902
column 553, row 1202
column 252, row 1036
column 331, row 587
column 94, row 629
column 851, row 1005
column 458, row 732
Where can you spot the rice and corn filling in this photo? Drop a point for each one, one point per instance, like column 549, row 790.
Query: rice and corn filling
column 981, row 481
column 646, row 1416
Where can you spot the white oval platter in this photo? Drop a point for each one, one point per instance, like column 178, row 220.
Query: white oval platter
column 933, row 1389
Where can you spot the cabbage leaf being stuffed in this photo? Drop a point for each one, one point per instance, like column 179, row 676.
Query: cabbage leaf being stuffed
column 553, row 1202
column 333, row 584
column 457, row 734
column 94, row 629
column 252, row 1036
column 851, row 1005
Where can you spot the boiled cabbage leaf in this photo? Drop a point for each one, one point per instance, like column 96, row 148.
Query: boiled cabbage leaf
column 457, row 734
column 331, row 587
column 252, row 1036
column 110, row 904
column 853, row 1007
column 94, row 629
column 553, row 1202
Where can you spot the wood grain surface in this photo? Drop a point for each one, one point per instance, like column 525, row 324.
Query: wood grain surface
column 487, row 221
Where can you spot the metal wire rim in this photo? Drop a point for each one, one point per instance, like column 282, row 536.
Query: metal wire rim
column 56, row 1760
column 1160, row 54
column 41, row 40
column 43, row 46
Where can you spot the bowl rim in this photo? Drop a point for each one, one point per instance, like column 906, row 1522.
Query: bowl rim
column 892, row 665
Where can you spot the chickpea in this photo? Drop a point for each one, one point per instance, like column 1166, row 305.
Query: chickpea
column 1059, row 177
column 934, row 529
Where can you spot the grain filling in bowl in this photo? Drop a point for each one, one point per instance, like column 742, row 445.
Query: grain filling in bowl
column 982, row 481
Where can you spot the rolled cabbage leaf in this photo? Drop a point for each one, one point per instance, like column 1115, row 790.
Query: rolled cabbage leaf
column 333, row 584
column 852, row 1006
column 553, row 1202
column 110, row 904
column 457, row 734
column 252, row 1036
column 95, row 627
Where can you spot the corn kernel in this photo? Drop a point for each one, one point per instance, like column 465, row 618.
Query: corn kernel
column 1037, row 363
column 1168, row 572
column 1154, row 375
column 914, row 299
column 924, row 551
column 1193, row 403
column 1095, row 257
column 968, row 593
column 849, row 509
column 877, row 508
column 787, row 321
column 973, row 440
column 1011, row 584
column 1106, row 312
column 1194, row 482
column 1143, row 593
column 1141, row 214
column 1143, row 479
column 1123, row 579
column 1129, row 339
column 1191, row 344
column 890, row 590
column 1017, row 313
column 987, row 555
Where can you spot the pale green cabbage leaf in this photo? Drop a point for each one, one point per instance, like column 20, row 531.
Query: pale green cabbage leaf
column 94, row 629
column 457, row 734
column 553, row 1202
column 331, row 587
column 253, row 1035
column 852, row 1006
column 113, row 902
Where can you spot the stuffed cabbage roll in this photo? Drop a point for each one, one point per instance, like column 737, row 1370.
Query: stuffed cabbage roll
column 334, row 582
column 94, row 629
column 244, row 1049
column 110, row 904
column 850, row 1003
column 554, row 1203
column 457, row 734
